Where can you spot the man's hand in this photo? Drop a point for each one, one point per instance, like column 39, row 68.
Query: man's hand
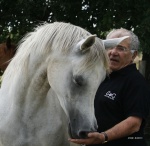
column 93, row 138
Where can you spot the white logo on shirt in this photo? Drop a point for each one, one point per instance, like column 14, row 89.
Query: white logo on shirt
column 110, row 95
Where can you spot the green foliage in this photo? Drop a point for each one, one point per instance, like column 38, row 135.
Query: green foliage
column 21, row 16
column 96, row 16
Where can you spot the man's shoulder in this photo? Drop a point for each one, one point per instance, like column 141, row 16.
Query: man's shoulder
column 136, row 75
column 136, row 80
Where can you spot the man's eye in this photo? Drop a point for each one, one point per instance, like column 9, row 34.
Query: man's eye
column 121, row 48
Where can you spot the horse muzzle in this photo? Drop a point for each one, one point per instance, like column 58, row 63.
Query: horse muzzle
column 81, row 133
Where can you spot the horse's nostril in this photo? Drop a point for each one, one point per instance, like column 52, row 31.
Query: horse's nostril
column 83, row 134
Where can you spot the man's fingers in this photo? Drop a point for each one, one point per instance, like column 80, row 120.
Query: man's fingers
column 91, row 134
column 79, row 141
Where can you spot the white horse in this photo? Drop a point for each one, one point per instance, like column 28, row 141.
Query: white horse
column 48, row 88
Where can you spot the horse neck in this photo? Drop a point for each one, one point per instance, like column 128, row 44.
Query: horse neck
column 26, row 85
column 24, row 95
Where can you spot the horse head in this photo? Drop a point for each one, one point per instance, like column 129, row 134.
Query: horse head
column 75, row 78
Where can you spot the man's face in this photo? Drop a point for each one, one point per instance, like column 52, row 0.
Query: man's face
column 121, row 55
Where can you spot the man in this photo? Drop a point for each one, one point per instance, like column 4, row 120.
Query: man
column 122, row 100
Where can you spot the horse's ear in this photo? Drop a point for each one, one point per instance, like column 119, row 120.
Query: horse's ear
column 110, row 43
column 85, row 44
column 8, row 42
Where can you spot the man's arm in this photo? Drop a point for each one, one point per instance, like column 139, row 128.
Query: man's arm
column 122, row 129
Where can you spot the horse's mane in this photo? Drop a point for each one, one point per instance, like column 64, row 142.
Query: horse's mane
column 49, row 37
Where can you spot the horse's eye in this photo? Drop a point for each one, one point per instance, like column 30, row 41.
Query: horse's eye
column 78, row 80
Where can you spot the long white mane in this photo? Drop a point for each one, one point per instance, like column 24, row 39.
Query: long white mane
column 48, row 37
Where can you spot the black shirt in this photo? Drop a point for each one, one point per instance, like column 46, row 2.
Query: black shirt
column 123, row 93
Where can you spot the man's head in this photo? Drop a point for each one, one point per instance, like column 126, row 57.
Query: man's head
column 125, row 53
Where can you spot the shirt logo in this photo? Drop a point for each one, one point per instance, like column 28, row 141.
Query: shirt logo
column 110, row 95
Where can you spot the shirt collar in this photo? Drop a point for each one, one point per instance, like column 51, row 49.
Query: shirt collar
column 124, row 70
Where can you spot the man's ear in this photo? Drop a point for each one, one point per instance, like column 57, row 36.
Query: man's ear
column 134, row 54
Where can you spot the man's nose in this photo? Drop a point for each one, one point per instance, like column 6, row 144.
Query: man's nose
column 113, row 51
